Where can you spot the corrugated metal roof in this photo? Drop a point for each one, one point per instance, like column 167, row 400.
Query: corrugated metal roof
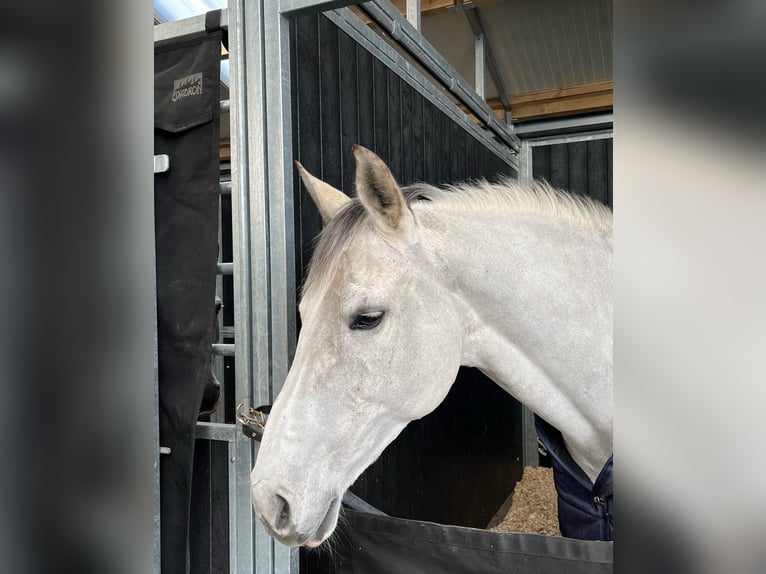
column 539, row 44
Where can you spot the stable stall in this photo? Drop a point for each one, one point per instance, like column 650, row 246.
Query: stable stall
column 308, row 79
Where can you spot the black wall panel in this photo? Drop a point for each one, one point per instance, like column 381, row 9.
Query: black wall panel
column 458, row 464
column 583, row 167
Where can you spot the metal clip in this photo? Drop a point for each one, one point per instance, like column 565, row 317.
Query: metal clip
column 253, row 420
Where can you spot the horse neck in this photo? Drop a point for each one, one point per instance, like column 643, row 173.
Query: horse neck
column 535, row 297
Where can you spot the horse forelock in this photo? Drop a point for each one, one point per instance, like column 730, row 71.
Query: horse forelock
column 331, row 243
column 508, row 197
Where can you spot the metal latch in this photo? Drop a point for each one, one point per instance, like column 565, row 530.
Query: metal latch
column 253, row 420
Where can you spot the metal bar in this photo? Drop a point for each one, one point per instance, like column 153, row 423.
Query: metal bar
column 578, row 137
column 224, row 188
column 245, row 81
column 217, row 431
column 235, row 565
column 186, row 27
column 413, row 13
column 472, row 14
column 225, row 350
column 277, row 122
column 529, row 453
column 388, row 17
column 256, row 550
column 305, row 7
column 280, row 191
column 225, row 268
column 478, row 54
column 525, row 165
column 370, row 41
column 558, row 126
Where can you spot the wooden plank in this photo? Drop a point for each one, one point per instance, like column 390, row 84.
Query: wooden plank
column 394, row 125
column 471, row 171
column 329, row 97
column 429, row 142
column 582, row 99
column 578, row 168
column 559, row 166
column 366, row 101
column 609, row 173
column 306, row 88
column 224, row 149
column 597, row 171
column 418, row 150
column 380, row 93
column 541, row 162
column 581, row 90
column 458, row 153
column 349, row 109
column 564, row 107
column 443, row 167
column 567, row 101
column 407, row 133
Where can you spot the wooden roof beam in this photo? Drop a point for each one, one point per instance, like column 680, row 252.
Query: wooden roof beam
column 583, row 99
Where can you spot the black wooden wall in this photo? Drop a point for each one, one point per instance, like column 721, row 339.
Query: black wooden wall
column 583, row 167
column 459, row 464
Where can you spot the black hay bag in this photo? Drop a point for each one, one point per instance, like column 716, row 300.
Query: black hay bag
column 383, row 545
column 187, row 130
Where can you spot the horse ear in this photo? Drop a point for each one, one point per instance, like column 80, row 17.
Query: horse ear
column 377, row 189
column 328, row 200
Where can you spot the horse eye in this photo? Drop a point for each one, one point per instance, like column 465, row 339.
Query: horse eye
column 367, row 320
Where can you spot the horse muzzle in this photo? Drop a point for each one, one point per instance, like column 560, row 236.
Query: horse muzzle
column 279, row 511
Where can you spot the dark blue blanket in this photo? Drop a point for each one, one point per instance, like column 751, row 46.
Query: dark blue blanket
column 585, row 508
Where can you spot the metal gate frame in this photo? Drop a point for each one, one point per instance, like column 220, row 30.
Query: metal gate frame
column 263, row 234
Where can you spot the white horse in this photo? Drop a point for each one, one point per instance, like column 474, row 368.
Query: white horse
column 405, row 287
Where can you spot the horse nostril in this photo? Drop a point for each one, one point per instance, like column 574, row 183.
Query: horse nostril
column 283, row 513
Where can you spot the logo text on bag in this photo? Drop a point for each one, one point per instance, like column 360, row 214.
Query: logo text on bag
column 188, row 86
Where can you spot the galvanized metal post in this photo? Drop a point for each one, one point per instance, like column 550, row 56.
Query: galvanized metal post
column 250, row 259
column 277, row 125
column 525, row 163
column 529, row 453
column 478, row 52
column 474, row 19
column 413, row 13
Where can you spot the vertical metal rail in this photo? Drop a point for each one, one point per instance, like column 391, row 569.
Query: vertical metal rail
column 472, row 14
column 478, row 54
column 525, row 163
column 280, row 191
column 413, row 13
column 250, row 257
column 280, row 238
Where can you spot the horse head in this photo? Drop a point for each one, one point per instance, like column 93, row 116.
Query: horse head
column 380, row 346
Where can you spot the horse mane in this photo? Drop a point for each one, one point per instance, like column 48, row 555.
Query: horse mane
column 507, row 197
